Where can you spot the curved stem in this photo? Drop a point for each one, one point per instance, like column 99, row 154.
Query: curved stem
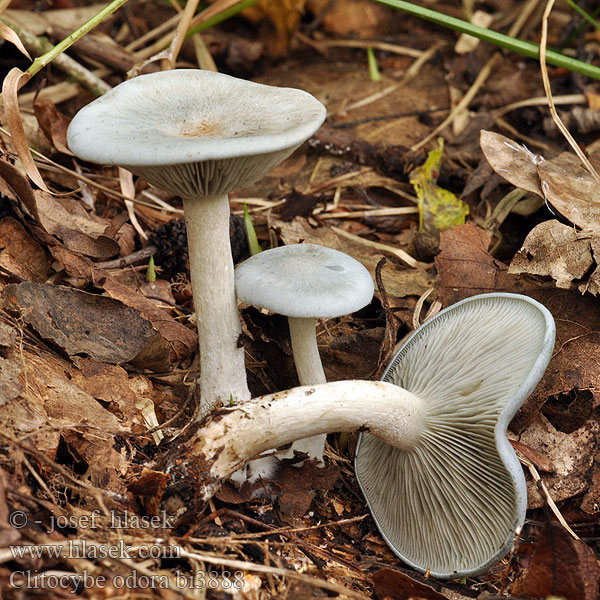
column 234, row 437
column 222, row 371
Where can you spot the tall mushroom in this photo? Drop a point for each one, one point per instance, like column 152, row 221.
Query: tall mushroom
column 443, row 482
column 305, row 282
column 200, row 134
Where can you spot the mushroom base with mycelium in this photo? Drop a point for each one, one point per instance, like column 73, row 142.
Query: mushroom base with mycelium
column 442, row 481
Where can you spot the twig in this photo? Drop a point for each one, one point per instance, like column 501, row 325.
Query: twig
column 545, row 493
column 397, row 252
column 119, row 263
column 42, row 47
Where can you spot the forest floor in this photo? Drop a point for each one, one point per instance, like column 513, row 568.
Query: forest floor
column 98, row 364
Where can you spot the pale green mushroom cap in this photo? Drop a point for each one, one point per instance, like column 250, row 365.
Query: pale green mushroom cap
column 304, row 280
column 453, row 504
column 194, row 132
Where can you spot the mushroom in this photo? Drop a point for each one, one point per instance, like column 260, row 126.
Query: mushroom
column 442, row 481
column 200, row 134
column 304, row 282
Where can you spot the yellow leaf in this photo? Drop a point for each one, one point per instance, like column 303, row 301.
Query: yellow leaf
column 439, row 209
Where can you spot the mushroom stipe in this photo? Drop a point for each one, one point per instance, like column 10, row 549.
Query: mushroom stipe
column 443, row 483
column 200, row 134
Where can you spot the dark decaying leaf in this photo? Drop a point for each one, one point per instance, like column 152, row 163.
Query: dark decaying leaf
column 391, row 584
column 181, row 341
column 87, row 324
column 560, row 566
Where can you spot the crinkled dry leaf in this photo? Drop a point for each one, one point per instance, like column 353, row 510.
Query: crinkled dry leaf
column 572, row 456
column 574, row 364
column 563, row 182
column 592, row 285
column 512, row 161
column 554, row 250
column 80, row 231
column 86, row 324
column 10, row 87
column 114, row 388
column 571, row 190
column 560, row 566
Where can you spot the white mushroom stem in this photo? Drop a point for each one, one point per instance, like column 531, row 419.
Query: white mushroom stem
column 303, row 336
column 235, row 436
column 222, row 370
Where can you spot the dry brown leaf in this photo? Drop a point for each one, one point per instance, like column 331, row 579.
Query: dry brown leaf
column 560, row 566
column 555, row 250
column 9, row 35
column 181, row 341
column 571, row 190
column 465, row 268
column 359, row 18
column 512, row 161
column 391, row 584
column 10, row 87
column 89, row 325
column 24, row 250
column 563, row 182
column 53, row 123
column 80, row 231
column 283, row 14
column 115, row 389
column 572, row 456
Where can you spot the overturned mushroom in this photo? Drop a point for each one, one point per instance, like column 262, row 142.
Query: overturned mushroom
column 200, row 134
column 442, row 481
column 305, row 282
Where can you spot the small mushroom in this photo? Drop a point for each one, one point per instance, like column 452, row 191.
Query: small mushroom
column 304, row 282
column 200, row 134
column 442, row 481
